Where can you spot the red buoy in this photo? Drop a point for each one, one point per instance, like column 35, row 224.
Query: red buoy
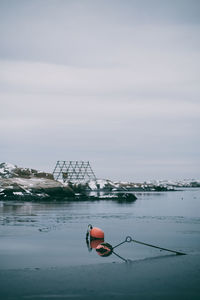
column 96, row 233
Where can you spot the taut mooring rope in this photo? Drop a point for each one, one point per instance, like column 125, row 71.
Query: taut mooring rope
column 129, row 239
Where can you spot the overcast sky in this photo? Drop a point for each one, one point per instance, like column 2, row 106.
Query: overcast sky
column 115, row 82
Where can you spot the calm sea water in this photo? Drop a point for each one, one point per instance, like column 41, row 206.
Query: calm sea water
column 48, row 235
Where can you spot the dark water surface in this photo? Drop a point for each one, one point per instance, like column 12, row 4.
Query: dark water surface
column 48, row 235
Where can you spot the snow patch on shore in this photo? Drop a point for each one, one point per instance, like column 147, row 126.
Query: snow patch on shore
column 101, row 184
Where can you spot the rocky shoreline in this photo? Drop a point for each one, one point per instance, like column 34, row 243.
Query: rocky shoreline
column 29, row 184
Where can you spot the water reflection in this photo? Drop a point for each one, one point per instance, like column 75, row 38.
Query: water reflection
column 40, row 213
column 92, row 244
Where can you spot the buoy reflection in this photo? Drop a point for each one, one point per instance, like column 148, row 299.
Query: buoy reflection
column 92, row 244
column 102, row 248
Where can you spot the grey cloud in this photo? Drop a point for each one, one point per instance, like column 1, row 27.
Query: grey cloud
column 114, row 82
column 93, row 33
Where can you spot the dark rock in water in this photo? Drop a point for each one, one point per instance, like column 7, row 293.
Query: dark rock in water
column 59, row 192
column 120, row 197
column 126, row 197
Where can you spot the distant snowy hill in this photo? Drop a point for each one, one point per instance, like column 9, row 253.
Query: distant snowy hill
column 154, row 185
column 175, row 183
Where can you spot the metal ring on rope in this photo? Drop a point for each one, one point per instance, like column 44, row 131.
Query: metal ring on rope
column 128, row 239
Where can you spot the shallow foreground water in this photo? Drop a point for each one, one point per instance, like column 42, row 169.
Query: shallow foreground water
column 50, row 235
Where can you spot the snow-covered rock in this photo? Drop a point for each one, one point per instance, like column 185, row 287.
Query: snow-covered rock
column 30, row 184
column 101, row 184
column 7, row 170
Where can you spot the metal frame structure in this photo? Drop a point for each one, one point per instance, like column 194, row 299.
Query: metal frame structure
column 74, row 171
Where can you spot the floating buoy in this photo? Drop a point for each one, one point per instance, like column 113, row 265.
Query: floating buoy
column 104, row 249
column 94, row 232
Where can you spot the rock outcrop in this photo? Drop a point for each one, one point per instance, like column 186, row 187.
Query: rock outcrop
column 30, row 184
